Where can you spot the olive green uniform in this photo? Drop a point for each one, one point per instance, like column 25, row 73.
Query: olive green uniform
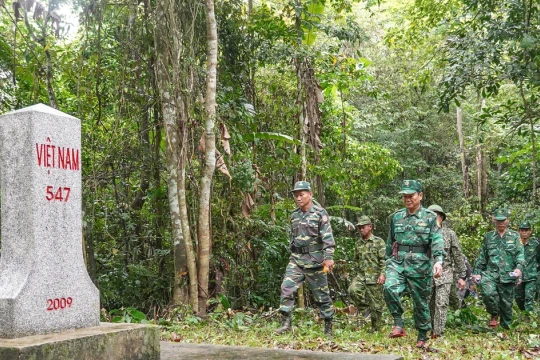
column 498, row 257
column 526, row 291
column 411, row 268
column 364, row 290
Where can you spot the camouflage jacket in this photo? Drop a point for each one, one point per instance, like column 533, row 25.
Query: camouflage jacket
column 420, row 230
column 369, row 259
column 499, row 256
column 531, row 253
column 453, row 261
column 311, row 228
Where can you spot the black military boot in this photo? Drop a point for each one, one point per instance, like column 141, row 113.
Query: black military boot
column 286, row 321
column 328, row 327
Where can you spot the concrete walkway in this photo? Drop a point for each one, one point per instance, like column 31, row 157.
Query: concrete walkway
column 180, row 351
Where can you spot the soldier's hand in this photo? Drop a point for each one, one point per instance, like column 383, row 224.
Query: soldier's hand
column 518, row 273
column 461, row 284
column 437, row 270
column 381, row 279
column 328, row 265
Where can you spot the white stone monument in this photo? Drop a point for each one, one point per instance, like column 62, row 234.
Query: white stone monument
column 44, row 285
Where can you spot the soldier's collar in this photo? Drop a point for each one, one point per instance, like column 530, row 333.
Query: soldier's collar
column 368, row 239
column 416, row 213
column 310, row 210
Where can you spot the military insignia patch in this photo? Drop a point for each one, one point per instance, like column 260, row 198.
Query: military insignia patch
column 406, row 182
column 325, row 218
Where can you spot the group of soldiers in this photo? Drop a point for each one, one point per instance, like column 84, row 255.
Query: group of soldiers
column 421, row 257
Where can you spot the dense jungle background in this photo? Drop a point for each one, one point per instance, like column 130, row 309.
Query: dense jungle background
column 198, row 117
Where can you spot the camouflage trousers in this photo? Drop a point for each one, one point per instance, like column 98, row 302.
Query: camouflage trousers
column 525, row 293
column 368, row 296
column 318, row 284
column 498, row 299
column 438, row 306
column 420, row 290
column 454, row 303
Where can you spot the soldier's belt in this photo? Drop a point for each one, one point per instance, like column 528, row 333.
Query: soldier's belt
column 306, row 249
column 413, row 249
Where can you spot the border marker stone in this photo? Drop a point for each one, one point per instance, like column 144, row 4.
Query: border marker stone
column 44, row 285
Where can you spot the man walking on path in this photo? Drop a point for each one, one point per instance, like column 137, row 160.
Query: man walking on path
column 412, row 236
column 526, row 288
column 366, row 290
column 497, row 268
column 453, row 263
column 312, row 253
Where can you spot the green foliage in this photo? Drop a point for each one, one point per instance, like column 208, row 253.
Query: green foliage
column 128, row 315
column 470, row 227
column 312, row 17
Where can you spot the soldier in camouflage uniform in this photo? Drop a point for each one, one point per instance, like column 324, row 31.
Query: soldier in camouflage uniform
column 365, row 290
column 312, row 253
column 413, row 234
column 497, row 268
column 526, row 288
column 442, row 286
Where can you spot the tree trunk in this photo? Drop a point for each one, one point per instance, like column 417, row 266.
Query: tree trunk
column 464, row 169
column 481, row 168
column 169, row 102
column 204, row 232
column 190, row 251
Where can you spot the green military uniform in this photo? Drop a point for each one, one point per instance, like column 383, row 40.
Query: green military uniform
column 498, row 257
column 526, row 291
column 410, row 265
column 311, row 243
column 369, row 264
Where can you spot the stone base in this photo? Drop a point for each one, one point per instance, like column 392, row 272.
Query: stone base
column 105, row 342
column 183, row 351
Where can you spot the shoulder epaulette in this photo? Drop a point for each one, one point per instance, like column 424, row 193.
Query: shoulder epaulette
column 397, row 211
column 317, row 207
column 513, row 232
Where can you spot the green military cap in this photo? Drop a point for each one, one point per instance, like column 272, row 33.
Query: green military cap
column 500, row 214
column 411, row 187
column 364, row 220
column 436, row 208
column 525, row 225
column 301, row 185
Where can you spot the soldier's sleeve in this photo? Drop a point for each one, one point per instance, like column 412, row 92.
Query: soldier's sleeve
column 481, row 261
column 382, row 259
column 389, row 239
column 520, row 258
column 457, row 256
column 325, row 232
column 437, row 242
